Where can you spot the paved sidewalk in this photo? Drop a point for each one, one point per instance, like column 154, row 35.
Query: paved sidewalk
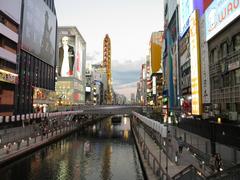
column 185, row 159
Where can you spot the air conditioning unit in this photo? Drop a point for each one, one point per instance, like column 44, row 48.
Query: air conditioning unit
column 233, row 116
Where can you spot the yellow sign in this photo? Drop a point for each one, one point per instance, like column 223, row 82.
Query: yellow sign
column 156, row 51
column 195, row 65
column 8, row 77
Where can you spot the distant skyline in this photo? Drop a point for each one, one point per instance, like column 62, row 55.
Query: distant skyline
column 129, row 24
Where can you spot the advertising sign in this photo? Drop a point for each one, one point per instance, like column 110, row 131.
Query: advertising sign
column 9, row 77
column 66, row 58
column 186, row 8
column 72, row 53
column 219, row 14
column 80, row 50
column 39, row 30
column 204, row 62
column 195, row 65
column 12, row 9
column 154, row 85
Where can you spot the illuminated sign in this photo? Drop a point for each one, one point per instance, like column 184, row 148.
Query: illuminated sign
column 195, row 65
column 219, row 14
column 8, row 77
column 154, row 85
column 186, row 8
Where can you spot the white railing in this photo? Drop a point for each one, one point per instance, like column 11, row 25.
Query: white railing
column 157, row 126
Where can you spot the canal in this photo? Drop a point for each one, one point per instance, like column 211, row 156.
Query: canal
column 102, row 151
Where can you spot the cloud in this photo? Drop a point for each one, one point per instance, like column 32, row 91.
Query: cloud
column 126, row 89
column 125, row 77
column 93, row 57
column 127, row 65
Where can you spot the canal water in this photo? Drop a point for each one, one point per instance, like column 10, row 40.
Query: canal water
column 103, row 151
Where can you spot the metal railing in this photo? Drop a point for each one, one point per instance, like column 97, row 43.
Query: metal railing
column 152, row 160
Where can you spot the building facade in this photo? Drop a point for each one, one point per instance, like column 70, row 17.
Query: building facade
column 37, row 59
column 71, row 62
column 223, row 38
column 10, row 19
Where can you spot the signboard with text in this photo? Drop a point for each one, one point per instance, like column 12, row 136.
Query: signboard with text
column 195, row 65
column 219, row 14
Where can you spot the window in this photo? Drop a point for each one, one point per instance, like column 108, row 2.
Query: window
column 236, row 42
column 226, row 80
column 213, row 56
column 215, row 82
column 237, row 76
column 224, row 49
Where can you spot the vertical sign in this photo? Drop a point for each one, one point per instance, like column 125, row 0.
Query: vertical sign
column 204, row 62
column 195, row 65
column 154, row 84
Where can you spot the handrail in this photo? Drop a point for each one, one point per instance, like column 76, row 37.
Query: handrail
column 186, row 170
column 230, row 172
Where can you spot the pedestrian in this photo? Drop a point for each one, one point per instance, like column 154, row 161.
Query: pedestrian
column 212, row 162
column 218, row 162
column 180, row 145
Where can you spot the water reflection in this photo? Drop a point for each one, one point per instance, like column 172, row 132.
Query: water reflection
column 104, row 151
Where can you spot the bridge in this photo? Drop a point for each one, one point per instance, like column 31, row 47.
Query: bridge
column 73, row 110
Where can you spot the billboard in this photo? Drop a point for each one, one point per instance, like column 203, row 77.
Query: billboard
column 195, row 65
column 12, row 9
column 71, row 53
column 80, row 58
column 186, row 8
column 39, row 30
column 204, row 62
column 219, row 14
column 156, row 51
column 66, row 56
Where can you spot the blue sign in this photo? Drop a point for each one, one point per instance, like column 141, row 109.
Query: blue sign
column 219, row 14
column 186, row 9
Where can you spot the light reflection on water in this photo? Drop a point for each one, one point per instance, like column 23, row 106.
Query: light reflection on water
column 105, row 151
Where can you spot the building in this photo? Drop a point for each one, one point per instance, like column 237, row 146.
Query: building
column 223, row 40
column 10, row 19
column 71, row 62
column 96, row 84
column 138, row 93
column 107, row 65
column 36, row 60
column 133, row 100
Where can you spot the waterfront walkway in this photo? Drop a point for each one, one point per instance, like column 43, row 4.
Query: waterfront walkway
column 170, row 165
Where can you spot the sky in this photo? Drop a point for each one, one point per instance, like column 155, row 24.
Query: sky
column 129, row 24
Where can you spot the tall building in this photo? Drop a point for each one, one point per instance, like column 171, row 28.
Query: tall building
column 107, row 65
column 71, row 62
column 36, row 60
column 223, row 45
column 10, row 19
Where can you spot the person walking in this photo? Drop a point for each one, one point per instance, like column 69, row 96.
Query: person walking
column 180, row 145
column 218, row 162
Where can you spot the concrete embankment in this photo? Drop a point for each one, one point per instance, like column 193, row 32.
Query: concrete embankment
column 16, row 151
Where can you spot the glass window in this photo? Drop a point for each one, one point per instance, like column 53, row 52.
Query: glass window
column 237, row 76
column 236, row 42
column 224, row 49
column 226, row 80
column 215, row 83
column 213, row 56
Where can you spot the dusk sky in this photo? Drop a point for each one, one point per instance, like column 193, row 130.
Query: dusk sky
column 129, row 24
